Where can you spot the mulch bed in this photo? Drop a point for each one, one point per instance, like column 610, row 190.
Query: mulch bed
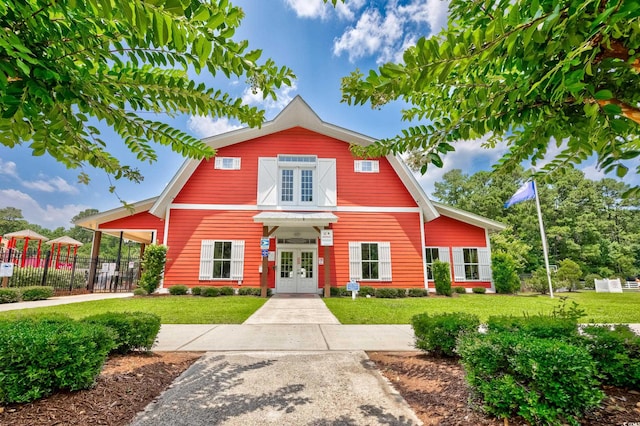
column 436, row 390
column 433, row 387
column 126, row 385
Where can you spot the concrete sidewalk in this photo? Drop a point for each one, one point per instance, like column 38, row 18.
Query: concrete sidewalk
column 62, row 300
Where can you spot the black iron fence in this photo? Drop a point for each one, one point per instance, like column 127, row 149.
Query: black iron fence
column 68, row 273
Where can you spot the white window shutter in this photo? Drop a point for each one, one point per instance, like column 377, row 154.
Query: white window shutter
column 357, row 166
column 443, row 255
column 384, row 253
column 327, row 195
column 267, row 181
column 236, row 163
column 237, row 259
column 458, row 264
column 355, row 261
column 218, row 163
column 484, row 259
column 206, row 260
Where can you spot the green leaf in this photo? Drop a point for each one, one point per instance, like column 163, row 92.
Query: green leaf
column 603, row 95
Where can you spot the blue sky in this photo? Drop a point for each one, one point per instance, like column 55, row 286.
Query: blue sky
column 321, row 44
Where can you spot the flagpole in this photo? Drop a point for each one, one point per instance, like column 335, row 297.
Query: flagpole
column 544, row 240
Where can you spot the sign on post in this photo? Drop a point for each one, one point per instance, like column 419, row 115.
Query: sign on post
column 354, row 287
column 264, row 243
column 326, row 237
column 6, row 269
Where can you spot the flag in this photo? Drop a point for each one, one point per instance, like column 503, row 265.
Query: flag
column 526, row 192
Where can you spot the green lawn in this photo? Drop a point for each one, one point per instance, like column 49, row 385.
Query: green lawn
column 172, row 309
column 599, row 307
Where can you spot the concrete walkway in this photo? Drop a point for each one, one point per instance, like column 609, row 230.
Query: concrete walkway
column 61, row 300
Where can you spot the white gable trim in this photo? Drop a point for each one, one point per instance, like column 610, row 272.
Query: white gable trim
column 296, row 114
column 470, row 218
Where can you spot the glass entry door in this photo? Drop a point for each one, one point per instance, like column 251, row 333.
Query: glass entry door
column 297, row 270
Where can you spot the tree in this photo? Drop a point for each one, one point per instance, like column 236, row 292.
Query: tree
column 67, row 65
column 11, row 220
column 505, row 273
column 442, row 277
column 155, row 257
column 531, row 73
column 569, row 274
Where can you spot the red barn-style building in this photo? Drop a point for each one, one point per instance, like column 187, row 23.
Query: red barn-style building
column 288, row 206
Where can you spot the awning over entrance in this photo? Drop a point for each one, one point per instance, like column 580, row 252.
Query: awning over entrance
column 320, row 219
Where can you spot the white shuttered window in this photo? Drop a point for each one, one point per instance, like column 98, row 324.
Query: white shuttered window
column 471, row 264
column 221, row 260
column 431, row 254
column 370, row 261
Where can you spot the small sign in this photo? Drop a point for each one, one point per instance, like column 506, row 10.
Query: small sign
column 264, row 244
column 321, row 261
column 272, row 256
column 326, row 237
column 353, row 286
column 6, row 269
column 265, row 253
column 132, row 265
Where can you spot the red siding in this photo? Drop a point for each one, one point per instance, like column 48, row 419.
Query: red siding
column 447, row 232
column 139, row 221
column 212, row 186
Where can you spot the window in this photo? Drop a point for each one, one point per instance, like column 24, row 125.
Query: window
column 471, row 264
column 227, row 163
column 370, row 261
column 431, row 254
column 296, row 178
column 221, row 260
column 366, row 166
column 290, row 180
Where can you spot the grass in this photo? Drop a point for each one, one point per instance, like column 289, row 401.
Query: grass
column 171, row 309
column 599, row 307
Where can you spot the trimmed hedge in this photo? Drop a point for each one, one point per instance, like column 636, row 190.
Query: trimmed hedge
column 36, row 293
column 178, row 290
column 367, row 291
column 388, row 293
column 442, row 277
column 479, row 290
column 459, row 290
column 210, row 292
column 196, row 291
column 252, row 291
column 418, row 292
column 9, row 295
column 543, row 327
column 140, row 292
column 40, row 356
column 134, row 330
column 546, row 381
column 339, row 292
column 616, row 351
column 226, row 291
column 30, row 276
column 438, row 333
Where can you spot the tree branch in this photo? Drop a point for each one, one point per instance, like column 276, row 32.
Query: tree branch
column 631, row 112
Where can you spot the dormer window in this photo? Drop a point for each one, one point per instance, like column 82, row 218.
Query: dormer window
column 366, row 166
column 227, row 163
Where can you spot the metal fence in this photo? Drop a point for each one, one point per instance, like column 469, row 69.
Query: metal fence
column 69, row 274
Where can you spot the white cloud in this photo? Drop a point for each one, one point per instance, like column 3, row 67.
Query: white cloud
column 207, row 126
column 8, row 168
column 387, row 33
column 56, row 184
column 309, row 8
column 469, row 156
column 594, row 173
column 48, row 216
column 284, row 97
column 372, row 33
column 318, row 9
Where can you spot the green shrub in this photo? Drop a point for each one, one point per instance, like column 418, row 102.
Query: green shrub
column 155, row 257
column 442, row 277
column 339, row 292
column 9, row 295
column 36, row 293
column 386, row 293
column 226, row 291
column 134, row 330
column 418, row 292
column 438, row 333
column 569, row 274
column 539, row 282
column 210, row 292
column 616, row 352
column 505, row 273
column 256, row 291
column 479, row 290
column 38, row 357
column 542, row 327
column 589, row 280
column 196, row 291
column 546, row 381
column 140, row 292
column 178, row 290
column 459, row 289
column 366, row 291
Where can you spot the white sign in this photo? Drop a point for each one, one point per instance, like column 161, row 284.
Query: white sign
column 264, row 243
column 6, row 269
column 326, row 237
